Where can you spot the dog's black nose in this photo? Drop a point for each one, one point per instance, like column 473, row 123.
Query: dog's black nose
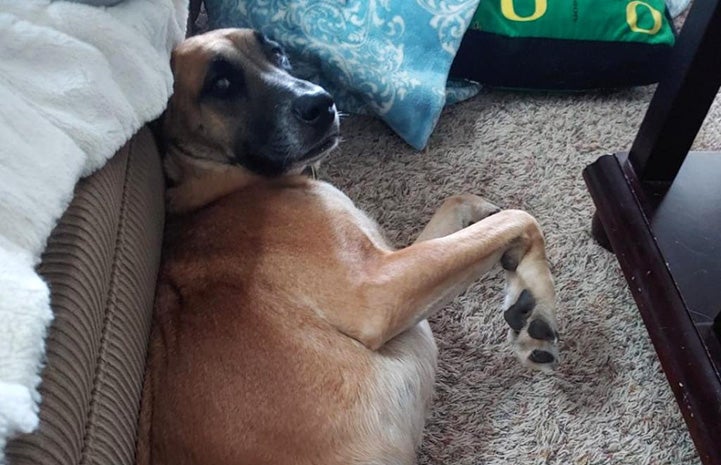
column 314, row 109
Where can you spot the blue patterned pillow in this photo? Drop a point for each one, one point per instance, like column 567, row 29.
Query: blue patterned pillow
column 389, row 58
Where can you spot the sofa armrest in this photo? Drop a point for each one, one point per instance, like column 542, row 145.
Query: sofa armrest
column 101, row 263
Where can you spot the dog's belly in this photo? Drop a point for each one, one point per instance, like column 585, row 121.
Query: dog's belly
column 400, row 397
column 275, row 395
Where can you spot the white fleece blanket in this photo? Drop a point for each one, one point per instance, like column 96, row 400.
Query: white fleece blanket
column 76, row 82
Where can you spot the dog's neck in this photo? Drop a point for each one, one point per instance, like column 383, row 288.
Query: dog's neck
column 197, row 182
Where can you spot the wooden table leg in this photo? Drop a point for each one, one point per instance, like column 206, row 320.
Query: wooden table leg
column 683, row 98
column 659, row 209
column 599, row 233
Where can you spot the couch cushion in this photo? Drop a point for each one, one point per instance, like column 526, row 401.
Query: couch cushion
column 101, row 263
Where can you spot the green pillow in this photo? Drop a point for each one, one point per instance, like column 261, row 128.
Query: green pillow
column 566, row 44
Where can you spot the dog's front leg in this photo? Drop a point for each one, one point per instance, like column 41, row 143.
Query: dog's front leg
column 456, row 213
column 404, row 287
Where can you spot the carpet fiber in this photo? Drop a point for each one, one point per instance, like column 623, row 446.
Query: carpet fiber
column 609, row 402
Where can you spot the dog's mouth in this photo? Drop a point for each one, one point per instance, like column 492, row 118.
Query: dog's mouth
column 319, row 150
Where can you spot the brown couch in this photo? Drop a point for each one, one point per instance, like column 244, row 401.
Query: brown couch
column 101, row 264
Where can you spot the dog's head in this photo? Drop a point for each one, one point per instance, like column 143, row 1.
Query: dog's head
column 235, row 103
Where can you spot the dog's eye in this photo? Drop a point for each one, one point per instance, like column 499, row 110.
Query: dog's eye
column 279, row 58
column 224, row 81
column 222, row 88
column 221, row 85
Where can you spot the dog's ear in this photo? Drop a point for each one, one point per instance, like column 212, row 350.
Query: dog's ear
column 172, row 62
column 159, row 125
column 156, row 128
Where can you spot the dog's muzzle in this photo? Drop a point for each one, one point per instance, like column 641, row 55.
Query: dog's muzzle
column 317, row 113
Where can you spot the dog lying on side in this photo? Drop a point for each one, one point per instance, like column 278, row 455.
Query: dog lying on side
column 286, row 329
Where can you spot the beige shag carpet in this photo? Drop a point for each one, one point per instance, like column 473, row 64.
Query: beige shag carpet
column 609, row 402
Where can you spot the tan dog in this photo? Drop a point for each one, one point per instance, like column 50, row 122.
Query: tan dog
column 287, row 330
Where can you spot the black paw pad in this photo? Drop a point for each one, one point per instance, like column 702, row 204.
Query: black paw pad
column 510, row 260
column 518, row 313
column 541, row 356
column 539, row 329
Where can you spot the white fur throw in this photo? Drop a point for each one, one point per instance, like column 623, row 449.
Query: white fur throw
column 75, row 83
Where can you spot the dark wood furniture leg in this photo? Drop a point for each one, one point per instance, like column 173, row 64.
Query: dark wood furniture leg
column 599, row 233
column 659, row 210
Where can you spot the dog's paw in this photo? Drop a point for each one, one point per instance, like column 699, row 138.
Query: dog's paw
column 533, row 333
column 472, row 208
